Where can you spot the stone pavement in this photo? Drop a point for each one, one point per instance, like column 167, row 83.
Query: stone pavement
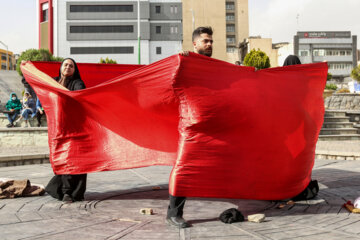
column 113, row 201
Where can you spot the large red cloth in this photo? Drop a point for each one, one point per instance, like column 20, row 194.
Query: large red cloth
column 229, row 131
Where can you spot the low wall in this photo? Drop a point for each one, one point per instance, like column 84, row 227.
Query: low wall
column 343, row 101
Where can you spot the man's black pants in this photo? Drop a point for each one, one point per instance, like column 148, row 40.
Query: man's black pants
column 176, row 206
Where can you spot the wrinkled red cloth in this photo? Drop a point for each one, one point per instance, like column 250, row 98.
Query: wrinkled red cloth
column 229, row 131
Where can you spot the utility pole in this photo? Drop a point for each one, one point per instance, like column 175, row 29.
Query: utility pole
column 139, row 35
column 7, row 55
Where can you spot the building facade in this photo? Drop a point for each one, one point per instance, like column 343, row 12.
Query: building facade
column 228, row 18
column 89, row 30
column 277, row 52
column 339, row 49
column 9, row 58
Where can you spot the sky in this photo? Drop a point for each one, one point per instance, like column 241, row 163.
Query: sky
column 276, row 19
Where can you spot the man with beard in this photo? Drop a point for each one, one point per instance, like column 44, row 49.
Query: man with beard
column 202, row 42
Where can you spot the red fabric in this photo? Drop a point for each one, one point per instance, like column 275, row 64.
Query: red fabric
column 232, row 132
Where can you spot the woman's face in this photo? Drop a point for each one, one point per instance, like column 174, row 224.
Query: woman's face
column 67, row 68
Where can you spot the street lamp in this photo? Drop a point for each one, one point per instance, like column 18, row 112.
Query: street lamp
column 7, row 55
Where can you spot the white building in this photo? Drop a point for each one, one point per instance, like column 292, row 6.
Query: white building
column 88, row 30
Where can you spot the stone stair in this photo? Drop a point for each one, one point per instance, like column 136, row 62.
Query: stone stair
column 33, row 122
column 337, row 127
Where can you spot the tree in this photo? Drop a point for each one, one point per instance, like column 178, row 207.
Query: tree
column 257, row 59
column 107, row 61
column 36, row 55
column 355, row 73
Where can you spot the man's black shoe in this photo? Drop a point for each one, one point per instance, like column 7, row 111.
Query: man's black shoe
column 9, row 125
column 177, row 222
column 67, row 198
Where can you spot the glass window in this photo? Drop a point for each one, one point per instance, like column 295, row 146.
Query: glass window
column 304, row 53
column 101, row 50
column 101, row 8
column 175, row 9
column 230, row 39
column 174, row 29
column 157, row 9
column 45, row 15
column 230, row 49
column 102, row 29
column 230, row 6
column 158, row 29
column 230, row 28
column 158, row 50
column 230, row 17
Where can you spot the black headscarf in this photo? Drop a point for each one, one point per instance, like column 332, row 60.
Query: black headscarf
column 76, row 74
column 291, row 60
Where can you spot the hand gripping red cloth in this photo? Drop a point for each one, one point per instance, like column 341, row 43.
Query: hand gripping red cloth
column 230, row 131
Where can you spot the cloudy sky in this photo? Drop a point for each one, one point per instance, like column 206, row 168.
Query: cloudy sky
column 275, row 19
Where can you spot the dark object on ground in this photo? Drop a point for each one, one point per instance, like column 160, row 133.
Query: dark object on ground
column 178, row 222
column 19, row 188
column 310, row 191
column 231, row 215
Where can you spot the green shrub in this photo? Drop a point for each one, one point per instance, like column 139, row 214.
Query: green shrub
column 331, row 86
column 107, row 61
column 36, row 55
column 257, row 59
column 355, row 73
column 329, row 76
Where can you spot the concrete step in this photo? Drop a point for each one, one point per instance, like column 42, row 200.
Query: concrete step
column 336, row 119
column 33, row 122
column 339, row 137
column 337, row 125
column 335, row 113
column 338, row 131
column 23, row 159
column 19, row 137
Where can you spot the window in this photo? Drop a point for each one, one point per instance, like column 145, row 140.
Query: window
column 230, row 49
column 158, row 29
column 174, row 29
column 230, row 28
column 45, row 12
column 304, row 53
column 157, row 9
column 319, row 52
column 173, row 9
column 102, row 29
column 3, row 57
column 230, row 17
column 340, row 66
column 158, row 50
column 230, row 6
column 101, row 50
column 101, row 8
column 3, row 67
column 332, row 52
column 230, row 39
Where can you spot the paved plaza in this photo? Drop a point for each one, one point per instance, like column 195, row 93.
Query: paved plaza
column 113, row 201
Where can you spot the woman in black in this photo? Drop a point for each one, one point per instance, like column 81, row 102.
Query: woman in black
column 68, row 188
